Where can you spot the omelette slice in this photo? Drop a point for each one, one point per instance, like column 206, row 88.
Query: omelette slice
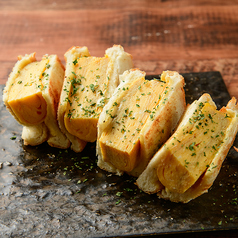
column 87, row 96
column 24, row 97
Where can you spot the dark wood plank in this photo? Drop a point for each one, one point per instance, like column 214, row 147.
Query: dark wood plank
column 201, row 33
column 191, row 39
column 33, row 5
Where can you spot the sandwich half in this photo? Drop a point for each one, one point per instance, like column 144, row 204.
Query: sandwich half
column 32, row 94
column 88, row 85
column 139, row 117
column 188, row 163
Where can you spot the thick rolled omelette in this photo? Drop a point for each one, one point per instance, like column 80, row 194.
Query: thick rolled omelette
column 32, row 95
column 188, row 163
column 88, row 85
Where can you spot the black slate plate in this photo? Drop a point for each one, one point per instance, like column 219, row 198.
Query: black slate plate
column 47, row 192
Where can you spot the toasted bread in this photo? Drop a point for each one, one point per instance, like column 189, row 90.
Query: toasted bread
column 138, row 118
column 188, row 163
column 89, row 82
column 32, row 94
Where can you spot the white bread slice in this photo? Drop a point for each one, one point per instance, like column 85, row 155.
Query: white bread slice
column 32, row 94
column 184, row 169
column 89, row 82
column 34, row 135
column 138, row 118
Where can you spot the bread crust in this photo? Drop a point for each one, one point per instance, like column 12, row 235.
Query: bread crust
column 34, row 135
column 51, row 94
column 149, row 182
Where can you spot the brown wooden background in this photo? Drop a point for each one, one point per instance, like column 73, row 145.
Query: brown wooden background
column 185, row 35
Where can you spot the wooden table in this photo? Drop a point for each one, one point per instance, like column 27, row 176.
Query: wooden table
column 185, row 35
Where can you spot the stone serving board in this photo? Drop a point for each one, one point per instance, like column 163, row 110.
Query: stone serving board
column 48, row 192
